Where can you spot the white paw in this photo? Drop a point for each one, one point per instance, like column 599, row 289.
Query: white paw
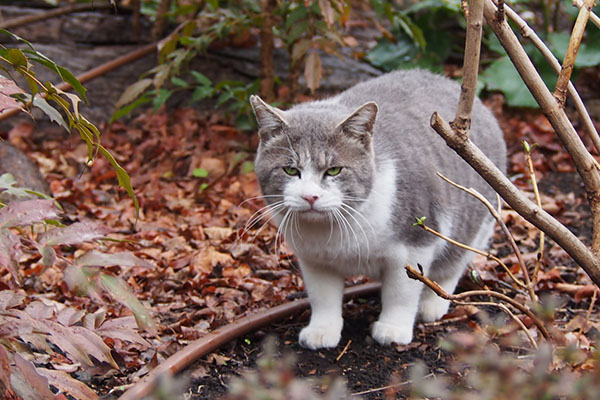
column 433, row 308
column 385, row 333
column 319, row 337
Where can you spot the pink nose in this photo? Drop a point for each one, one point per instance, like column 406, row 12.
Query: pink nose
column 310, row 198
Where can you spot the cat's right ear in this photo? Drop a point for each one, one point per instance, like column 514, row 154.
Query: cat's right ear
column 270, row 119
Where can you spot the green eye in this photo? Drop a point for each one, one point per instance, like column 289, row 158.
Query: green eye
column 291, row 171
column 333, row 171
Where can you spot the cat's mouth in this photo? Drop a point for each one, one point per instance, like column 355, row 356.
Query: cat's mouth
column 313, row 213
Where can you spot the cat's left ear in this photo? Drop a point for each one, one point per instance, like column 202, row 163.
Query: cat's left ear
column 270, row 119
column 361, row 122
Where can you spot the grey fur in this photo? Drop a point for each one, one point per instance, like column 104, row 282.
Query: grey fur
column 376, row 122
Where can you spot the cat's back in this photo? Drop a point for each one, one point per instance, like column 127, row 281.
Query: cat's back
column 408, row 98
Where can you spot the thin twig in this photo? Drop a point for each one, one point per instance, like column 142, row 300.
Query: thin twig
column 560, row 91
column 392, row 386
column 457, row 298
column 495, row 213
column 507, row 311
column 587, row 316
column 344, row 350
column 486, row 254
column 530, row 34
column 540, row 254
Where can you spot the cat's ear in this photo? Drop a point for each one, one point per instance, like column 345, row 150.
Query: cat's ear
column 270, row 119
column 360, row 123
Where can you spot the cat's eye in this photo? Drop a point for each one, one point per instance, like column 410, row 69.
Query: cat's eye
column 333, row 171
column 291, row 171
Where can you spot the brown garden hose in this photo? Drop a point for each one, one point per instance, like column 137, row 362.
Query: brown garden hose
column 213, row 340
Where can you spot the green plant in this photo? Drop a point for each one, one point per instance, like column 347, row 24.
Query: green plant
column 51, row 100
column 305, row 27
column 420, row 34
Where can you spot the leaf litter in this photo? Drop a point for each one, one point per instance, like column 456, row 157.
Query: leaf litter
column 200, row 266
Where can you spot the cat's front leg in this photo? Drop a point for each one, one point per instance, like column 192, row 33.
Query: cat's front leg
column 399, row 306
column 325, row 293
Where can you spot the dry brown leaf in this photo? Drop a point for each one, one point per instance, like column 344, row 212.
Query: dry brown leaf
column 27, row 382
column 67, row 384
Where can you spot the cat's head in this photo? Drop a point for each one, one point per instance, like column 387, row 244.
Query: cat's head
column 316, row 159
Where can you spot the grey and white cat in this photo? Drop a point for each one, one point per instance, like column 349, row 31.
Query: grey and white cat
column 346, row 177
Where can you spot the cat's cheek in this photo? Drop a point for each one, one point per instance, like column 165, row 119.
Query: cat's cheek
column 386, row 334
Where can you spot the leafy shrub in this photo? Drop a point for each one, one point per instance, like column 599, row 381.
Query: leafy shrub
column 49, row 98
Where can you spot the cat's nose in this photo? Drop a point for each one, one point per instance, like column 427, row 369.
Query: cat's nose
column 311, row 198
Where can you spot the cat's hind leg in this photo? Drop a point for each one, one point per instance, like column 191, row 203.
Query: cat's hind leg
column 446, row 271
column 433, row 307
column 325, row 293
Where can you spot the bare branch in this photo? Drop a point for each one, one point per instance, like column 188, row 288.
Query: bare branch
column 560, row 92
column 462, row 121
column 595, row 19
column 457, row 298
column 508, row 235
column 517, row 200
column 485, row 254
column 530, row 34
column 584, row 162
column 538, row 200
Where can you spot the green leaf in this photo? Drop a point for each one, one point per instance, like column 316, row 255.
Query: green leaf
column 122, row 176
column 297, row 31
column 296, row 14
column 247, row 167
column 502, row 76
column 588, row 54
column 133, row 91
column 201, row 93
column 130, row 107
column 201, row 78
column 16, row 57
column 390, row 56
column 199, row 173
column 179, row 82
column 420, row 221
column 411, row 29
column 68, row 77
column 50, row 111
column 161, row 98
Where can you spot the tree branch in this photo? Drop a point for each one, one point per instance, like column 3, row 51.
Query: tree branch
column 462, row 121
column 584, row 162
column 517, row 200
column 595, row 19
column 560, row 92
column 530, row 34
